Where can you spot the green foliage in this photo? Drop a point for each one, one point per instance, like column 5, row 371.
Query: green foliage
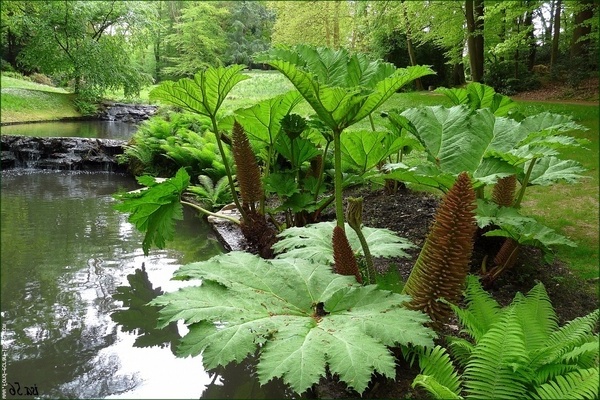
column 519, row 351
column 476, row 96
column 204, row 94
column 213, row 195
column 314, row 242
column 165, row 143
column 155, row 209
column 363, row 151
column 87, row 41
column 300, row 317
column 199, row 39
column 341, row 88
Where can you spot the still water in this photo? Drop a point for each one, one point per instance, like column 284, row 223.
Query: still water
column 82, row 129
column 74, row 287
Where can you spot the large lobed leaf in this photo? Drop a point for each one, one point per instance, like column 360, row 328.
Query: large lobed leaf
column 299, row 315
column 155, row 209
column 205, row 93
column 340, row 87
column 262, row 121
column 314, row 242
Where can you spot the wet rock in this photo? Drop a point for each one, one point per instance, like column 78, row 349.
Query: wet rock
column 134, row 113
column 82, row 154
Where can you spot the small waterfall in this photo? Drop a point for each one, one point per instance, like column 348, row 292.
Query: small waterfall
column 80, row 154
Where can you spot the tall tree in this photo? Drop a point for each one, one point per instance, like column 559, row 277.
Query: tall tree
column 474, row 11
column 581, row 41
column 199, row 39
column 555, row 33
column 87, row 41
column 319, row 23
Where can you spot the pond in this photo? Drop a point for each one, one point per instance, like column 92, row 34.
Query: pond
column 83, row 129
column 74, row 287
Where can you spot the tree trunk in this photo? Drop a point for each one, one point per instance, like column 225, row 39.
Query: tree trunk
column 409, row 45
column 581, row 47
column 458, row 74
column 556, row 34
column 531, row 44
column 474, row 15
column 336, row 25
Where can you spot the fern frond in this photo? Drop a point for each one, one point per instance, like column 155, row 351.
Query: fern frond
column 497, row 368
column 537, row 317
column 579, row 328
column 581, row 384
column 461, row 350
column 438, row 390
column 585, row 355
column 482, row 310
column 547, row 372
column 435, row 363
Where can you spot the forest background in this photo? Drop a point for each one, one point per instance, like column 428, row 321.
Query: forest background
column 95, row 46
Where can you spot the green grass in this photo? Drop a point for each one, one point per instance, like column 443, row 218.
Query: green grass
column 24, row 101
column 572, row 209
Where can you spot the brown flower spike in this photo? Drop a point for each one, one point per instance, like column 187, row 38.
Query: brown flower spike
column 443, row 264
column 343, row 256
column 504, row 191
column 248, row 173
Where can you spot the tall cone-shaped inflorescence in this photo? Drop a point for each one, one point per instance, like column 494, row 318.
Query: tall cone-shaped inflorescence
column 504, row 191
column 443, row 264
column 343, row 256
column 248, row 173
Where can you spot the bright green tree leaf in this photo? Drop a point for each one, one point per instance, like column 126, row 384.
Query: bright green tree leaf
column 299, row 315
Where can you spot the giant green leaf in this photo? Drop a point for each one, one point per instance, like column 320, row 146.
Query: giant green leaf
column 314, row 242
column 340, row 87
column 299, row 316
column 364, row 150
column 456, row 138
column 550, row 170
column 262, row 121
column 205, row 93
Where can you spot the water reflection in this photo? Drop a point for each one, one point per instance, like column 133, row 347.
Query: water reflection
column 64, row 253
column 83, row 129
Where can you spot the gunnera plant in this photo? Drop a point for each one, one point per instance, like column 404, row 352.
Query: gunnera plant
column 443, row 264
column 254, row 225
column 343, row 256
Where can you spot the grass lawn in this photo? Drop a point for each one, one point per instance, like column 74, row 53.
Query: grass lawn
column 23, row 101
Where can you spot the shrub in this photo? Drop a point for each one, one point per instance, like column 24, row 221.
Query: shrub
column 41, row 79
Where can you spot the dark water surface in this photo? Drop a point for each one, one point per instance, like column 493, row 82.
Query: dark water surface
column 82, row 129
column 69, row 263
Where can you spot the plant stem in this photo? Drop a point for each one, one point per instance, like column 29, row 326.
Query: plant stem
column 372, row 122
column 205, row 211
column 367, row 253
column 337, row 184
column 525, row 183
column 321, row 176
column 213, row 119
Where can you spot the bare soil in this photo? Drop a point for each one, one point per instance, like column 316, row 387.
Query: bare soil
column 555, row 91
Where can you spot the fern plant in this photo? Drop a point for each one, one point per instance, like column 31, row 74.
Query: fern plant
column 514, row 352
column 213, row 195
